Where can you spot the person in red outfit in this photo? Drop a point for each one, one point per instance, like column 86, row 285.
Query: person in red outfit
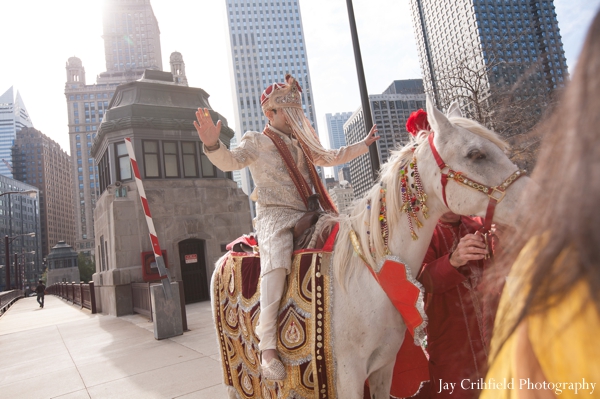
column 452, row 276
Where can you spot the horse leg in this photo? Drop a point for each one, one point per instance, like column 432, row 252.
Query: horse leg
column 351, row 378
column 380, row 382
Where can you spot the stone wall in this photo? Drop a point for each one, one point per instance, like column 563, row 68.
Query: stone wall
column 67, row 274
column 214, row 210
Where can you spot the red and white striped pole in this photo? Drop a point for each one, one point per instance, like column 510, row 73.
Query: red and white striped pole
column 160, row 262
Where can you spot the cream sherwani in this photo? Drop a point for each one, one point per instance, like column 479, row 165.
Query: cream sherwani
column 279, row 205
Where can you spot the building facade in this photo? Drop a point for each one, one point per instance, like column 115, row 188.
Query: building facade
column 19, row 217
column 178, row 68
column 485, row 53
column 132, row 45
column 13, row 117
column 131, row 40
column 42, row 163
column 390, row 112
column 86, row 106
column 62, row 265
column 266, row 41
column 342, row 195
column 196, row 208
column 335, row 130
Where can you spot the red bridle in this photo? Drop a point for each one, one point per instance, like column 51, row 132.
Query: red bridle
column 495, row 193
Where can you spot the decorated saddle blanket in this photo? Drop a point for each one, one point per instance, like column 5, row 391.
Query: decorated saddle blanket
column 304, row 336
column 304, row 322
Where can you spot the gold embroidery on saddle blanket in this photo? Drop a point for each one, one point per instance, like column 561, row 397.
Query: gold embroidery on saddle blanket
column 305, row 343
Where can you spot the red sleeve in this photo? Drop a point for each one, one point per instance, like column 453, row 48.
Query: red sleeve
column 438, row 275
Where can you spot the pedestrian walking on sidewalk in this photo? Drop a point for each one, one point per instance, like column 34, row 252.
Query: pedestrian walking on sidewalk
column 40, row 290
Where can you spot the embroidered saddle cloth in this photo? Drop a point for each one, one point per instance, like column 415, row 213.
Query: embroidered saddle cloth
column 304, row 324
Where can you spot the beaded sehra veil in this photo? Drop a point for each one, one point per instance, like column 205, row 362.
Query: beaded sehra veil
column 287, row 98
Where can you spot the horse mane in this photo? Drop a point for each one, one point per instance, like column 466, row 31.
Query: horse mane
column 364, row 216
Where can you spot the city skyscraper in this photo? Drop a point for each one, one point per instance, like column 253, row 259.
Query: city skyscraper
column 266, row 41
column 131, row 45
column 86, row 105
column 335, row 129
column 13, row 117
column 131, row 40
column 490, row 53
column 390, row 111
column 40, row 161
column 19, row 217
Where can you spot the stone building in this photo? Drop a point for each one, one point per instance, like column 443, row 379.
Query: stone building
column 41, row 162
column 131, row 45
column 196, row 208
column 87, row 104
column 62, row 265
column 342, row 195
column 178, row 68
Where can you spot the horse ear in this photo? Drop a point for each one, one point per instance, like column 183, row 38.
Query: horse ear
column 436, row 118
column 454, row 111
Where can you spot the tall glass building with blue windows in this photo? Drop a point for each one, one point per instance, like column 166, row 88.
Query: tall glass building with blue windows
column 266, row 41
column 13, row 117
column 503, row 44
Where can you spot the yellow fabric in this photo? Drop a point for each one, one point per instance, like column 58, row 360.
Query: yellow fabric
column 564, row 340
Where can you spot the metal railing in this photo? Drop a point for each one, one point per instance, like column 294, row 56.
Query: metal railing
column 140, row 294
column 81, row 294
column 7, row 298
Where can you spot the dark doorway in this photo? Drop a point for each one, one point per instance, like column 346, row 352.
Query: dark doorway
column 193, row 270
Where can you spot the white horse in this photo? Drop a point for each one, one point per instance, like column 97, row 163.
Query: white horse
column 367, row 330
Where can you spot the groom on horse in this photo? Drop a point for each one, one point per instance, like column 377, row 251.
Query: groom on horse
column 282, row 161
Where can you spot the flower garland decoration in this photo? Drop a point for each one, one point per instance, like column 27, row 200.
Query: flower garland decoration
column 413, row 202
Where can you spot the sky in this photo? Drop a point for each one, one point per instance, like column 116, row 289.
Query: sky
column 38, row 36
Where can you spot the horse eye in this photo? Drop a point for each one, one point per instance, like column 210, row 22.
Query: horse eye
column 476, row 155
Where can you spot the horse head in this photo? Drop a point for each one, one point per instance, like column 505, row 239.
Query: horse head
column 475, row 164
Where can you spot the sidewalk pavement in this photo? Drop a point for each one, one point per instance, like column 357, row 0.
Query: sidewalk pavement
column 62, row 351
